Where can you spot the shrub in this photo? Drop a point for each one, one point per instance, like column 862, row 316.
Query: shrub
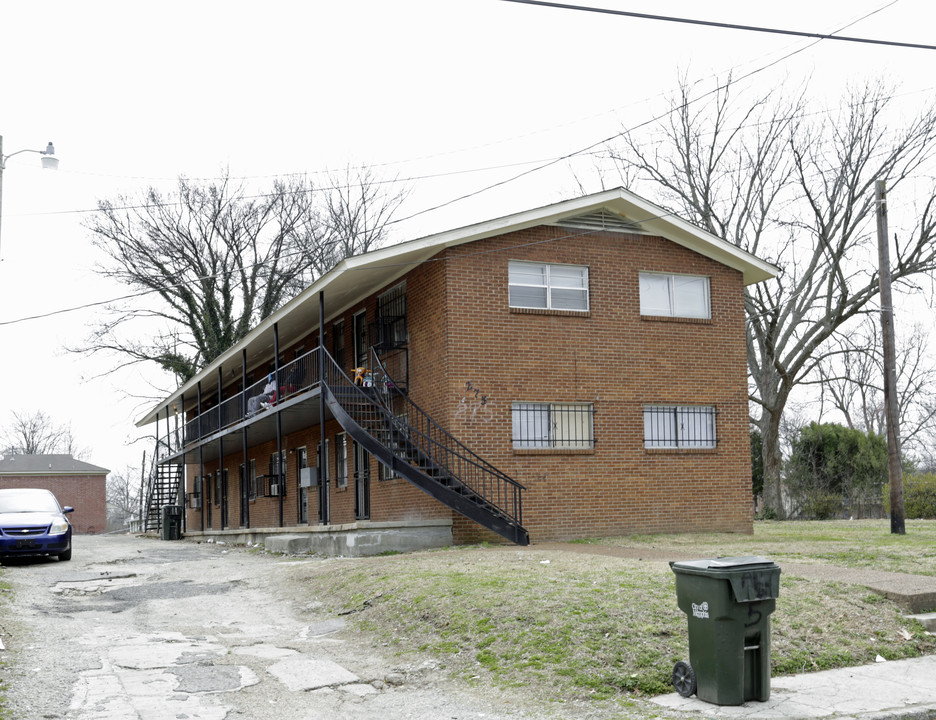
column 919, row 496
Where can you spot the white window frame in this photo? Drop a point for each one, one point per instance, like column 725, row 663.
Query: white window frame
column 670, row 301
column 680, row 427
column 552, row 286
column 552, row 426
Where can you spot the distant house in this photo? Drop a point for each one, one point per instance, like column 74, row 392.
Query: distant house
column 573, row 370
column 74, row 482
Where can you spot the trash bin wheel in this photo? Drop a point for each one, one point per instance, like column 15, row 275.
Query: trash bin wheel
column 684, row 679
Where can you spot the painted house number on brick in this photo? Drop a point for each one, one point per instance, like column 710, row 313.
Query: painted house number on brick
column 473, row 405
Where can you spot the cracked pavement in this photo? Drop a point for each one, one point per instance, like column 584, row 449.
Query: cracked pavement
column 140, row 629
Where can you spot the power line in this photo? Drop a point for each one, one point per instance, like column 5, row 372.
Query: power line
column 728, row 26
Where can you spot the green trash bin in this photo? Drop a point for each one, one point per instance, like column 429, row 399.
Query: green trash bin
column 728, row 602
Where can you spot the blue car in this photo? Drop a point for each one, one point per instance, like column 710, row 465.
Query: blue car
column 33, row 523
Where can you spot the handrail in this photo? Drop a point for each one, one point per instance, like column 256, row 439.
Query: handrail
column 435, row 446
column 294, row 377
column 391, row 390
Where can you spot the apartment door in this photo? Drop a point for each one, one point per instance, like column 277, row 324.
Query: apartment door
column 361, row 483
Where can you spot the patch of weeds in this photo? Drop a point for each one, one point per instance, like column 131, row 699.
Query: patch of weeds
column 585, row 628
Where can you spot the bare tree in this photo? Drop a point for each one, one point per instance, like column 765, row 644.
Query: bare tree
column 37, row 434
column 123, row 496
column 357, row 211
column 209, row 261
column 850, row 380
column 796, row 189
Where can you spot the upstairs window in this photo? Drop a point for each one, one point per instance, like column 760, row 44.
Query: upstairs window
column 548, row 287
column 679, row 426
column 685, row 296
column 553, row 426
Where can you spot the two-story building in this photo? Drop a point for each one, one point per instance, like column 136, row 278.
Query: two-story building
column 573, row 370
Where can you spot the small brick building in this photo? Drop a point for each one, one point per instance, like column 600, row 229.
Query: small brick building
column 74, row 482
column 570, row 371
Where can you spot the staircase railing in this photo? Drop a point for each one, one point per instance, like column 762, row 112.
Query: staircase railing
column 161, row 489
column 413, row 437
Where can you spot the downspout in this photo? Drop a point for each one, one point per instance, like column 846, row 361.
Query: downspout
column 323, row 470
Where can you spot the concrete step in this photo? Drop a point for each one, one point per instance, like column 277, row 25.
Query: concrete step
column 928, row 620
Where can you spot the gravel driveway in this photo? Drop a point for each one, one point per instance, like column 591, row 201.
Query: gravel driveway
column 141, row 629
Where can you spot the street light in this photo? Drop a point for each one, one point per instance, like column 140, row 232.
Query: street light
column 49, row 162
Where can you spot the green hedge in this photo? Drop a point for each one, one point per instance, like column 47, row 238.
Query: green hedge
column 919, row 496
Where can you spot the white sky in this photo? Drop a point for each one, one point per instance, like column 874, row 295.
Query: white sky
column 461, row 94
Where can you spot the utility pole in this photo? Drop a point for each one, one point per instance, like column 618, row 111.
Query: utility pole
column 894, row 469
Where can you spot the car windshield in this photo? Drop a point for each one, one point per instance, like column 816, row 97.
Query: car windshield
column 28, row 502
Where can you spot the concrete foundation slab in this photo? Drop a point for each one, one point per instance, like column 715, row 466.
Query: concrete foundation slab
column 308, row 673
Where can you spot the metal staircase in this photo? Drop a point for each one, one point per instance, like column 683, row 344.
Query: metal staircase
column 408, row 441
column 163, row 489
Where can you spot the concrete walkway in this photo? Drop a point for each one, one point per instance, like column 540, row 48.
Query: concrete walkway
column 882, row 691
column 914, row 593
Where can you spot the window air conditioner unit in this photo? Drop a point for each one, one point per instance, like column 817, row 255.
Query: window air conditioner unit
column 274, row 489
column 195, row 503
column 308, row 477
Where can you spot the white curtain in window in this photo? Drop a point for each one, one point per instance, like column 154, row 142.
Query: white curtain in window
column 572, row 426
column 690, row 296
column 696, row 427
column 659, row 427
column 530, row 425
column 655, row 294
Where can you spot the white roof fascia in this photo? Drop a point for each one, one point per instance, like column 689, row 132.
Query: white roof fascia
column 409, row 253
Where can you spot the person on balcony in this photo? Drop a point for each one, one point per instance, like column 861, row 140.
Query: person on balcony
column 264, row 399
column 293, row 380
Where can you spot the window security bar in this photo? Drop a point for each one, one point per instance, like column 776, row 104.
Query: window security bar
column 679, row 426
column 560, row 426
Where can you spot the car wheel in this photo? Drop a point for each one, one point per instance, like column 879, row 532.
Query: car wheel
column 65, row 555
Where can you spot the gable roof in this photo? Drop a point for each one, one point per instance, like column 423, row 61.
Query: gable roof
column 358, row 276
column 48, row 465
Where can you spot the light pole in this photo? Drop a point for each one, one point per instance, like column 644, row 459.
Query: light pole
column 49, row 162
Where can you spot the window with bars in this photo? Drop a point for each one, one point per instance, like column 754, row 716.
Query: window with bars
column 679, row 426
column 390, row 331
column 548, row 287
column 560, row 426
column 359, row 338
column 667, row 295
column 338, row 343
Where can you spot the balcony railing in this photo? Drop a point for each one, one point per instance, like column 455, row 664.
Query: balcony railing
column 293, row 378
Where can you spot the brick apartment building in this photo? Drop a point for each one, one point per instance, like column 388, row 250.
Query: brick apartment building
column 73, row 482
column 573, row 370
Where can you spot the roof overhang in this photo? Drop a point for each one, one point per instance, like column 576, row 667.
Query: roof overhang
column 358, row 276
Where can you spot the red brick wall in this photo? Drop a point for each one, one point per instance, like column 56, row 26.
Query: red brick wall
column 466, row 344
column 615, row 359
column 85, row 493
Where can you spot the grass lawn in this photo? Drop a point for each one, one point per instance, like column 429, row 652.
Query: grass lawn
column 579, row 627
column 850, row 543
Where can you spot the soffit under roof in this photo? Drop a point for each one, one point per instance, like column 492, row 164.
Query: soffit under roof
column 359, row 276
